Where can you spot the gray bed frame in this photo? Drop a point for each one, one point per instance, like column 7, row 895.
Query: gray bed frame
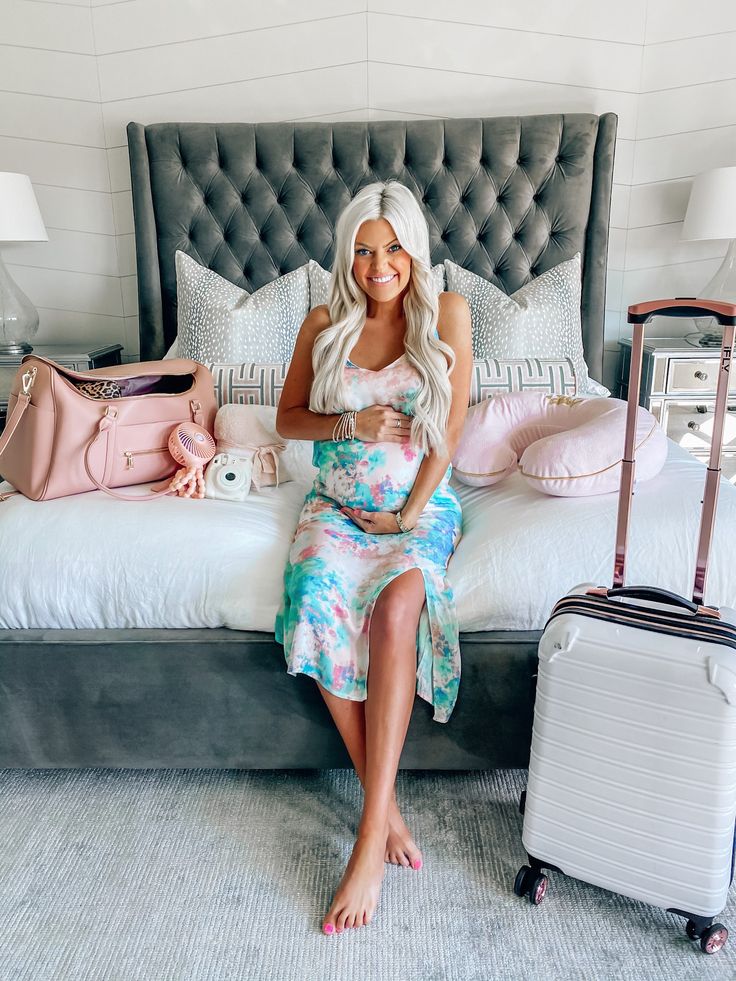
column 508, row 197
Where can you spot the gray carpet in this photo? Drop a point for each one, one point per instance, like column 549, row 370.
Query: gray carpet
column 159, row 875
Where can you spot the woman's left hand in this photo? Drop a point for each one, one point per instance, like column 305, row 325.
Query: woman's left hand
column 374, row 522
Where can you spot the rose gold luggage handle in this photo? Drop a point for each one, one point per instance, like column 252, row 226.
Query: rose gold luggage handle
column 639, row 314
column 655, row 595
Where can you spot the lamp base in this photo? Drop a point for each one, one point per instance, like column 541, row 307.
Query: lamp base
column 721, row 287
column 15, row 349
column 18, row 316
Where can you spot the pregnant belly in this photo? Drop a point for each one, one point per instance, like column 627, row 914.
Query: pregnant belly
column 371, row 476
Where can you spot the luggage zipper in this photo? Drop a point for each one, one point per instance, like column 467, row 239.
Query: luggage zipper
column 130, row 454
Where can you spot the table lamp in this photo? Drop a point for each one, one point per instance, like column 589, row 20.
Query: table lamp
column 20, row 221
column 711, row 214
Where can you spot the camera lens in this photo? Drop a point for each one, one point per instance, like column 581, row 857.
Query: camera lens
column 230, row 475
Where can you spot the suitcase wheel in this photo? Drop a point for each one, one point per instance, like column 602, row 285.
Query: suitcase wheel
column 520, row 883
column 531, row 883
column 538, row 889
column 713, row 939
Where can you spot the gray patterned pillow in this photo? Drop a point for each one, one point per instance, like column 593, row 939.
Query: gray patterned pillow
column 248, row 384
column 493, row 376
column 540, row 320
column 220, row 322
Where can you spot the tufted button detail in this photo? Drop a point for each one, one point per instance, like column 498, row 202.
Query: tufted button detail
column 518, row 161
column 444, row 236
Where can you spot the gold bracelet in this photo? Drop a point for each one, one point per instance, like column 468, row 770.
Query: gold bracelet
column 400, row 522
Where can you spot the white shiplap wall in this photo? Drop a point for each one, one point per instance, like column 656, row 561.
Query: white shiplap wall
column 51, row 128
column 73, row 74
column 686, row 124
column 664, row 66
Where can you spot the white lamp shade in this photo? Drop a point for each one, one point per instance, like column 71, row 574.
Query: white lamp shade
column 20, row 219
column 711, row 210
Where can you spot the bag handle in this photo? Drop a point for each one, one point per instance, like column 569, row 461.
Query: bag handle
column 22, row 402
column 108, row 421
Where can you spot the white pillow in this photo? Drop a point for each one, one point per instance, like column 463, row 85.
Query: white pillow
column 540, row 320
column 220, row 322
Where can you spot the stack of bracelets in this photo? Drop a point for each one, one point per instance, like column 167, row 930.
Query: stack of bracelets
column 344, row 427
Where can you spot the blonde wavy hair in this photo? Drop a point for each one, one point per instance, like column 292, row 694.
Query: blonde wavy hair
column 348, row 305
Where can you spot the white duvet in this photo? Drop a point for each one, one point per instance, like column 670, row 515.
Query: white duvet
column 93, row 561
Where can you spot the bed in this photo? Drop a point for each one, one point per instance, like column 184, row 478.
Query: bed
column 135, row 652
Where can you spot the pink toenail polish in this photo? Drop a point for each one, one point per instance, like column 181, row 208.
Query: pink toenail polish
column 417, row 863
column 328, row 928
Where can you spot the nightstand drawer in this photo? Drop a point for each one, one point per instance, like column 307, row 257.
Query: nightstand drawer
column 689, row 375
column 691, row 424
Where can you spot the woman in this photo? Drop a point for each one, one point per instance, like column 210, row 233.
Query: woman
column 380, row 380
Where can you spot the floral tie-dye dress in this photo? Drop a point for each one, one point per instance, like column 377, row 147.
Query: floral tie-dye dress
column 335, row 570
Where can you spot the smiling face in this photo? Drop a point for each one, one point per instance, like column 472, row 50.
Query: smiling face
column 381, row 267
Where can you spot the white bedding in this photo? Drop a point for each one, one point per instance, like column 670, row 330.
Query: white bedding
column 93, row 561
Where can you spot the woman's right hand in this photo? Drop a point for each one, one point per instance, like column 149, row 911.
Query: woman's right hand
column 378, row 423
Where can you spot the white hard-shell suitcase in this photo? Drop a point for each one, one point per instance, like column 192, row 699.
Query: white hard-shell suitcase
column 632, row 775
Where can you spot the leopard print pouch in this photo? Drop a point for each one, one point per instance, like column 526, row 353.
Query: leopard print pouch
column 105, row 389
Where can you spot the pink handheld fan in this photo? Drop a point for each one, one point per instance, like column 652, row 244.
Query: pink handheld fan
column 193, row 448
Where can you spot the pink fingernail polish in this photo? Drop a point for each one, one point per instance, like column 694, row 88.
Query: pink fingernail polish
column 417, row 863
column 328, row 928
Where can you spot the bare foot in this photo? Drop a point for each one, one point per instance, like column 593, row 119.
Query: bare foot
column 357, row 895
column 400, row 846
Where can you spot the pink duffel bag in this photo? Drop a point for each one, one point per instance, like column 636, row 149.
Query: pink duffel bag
column 60, row 441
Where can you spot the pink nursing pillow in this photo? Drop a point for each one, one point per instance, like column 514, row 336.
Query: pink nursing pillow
column 563, row 446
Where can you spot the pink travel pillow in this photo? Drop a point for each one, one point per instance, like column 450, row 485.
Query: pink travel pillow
column 568, row 447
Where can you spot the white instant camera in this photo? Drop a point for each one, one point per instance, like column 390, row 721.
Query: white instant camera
column 228, row 477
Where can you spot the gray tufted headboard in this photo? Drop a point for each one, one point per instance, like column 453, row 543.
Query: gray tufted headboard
column 507, row 197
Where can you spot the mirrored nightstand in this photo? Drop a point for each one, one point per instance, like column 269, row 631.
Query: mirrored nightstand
column 678, row 386
column 70, row 356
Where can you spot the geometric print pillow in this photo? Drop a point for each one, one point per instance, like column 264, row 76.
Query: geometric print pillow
column 248, row 384
column 490, row 376
column 262, row 384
